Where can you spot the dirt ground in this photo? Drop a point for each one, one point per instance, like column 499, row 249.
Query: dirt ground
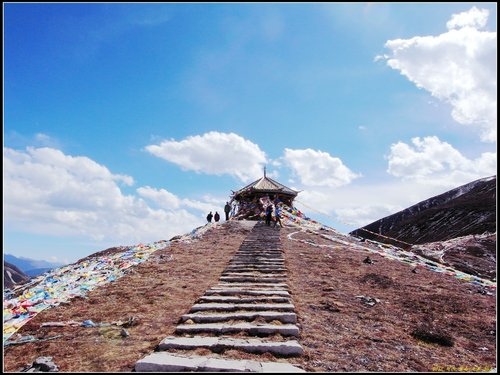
column 353, row 316
column 423, row 321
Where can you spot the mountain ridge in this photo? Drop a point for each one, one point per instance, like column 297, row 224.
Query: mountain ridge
column 31, row 267
column 466, row 210
column 13, row 276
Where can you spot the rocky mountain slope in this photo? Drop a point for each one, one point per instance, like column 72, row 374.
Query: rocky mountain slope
column 457, row 228
column 473, row 254
column 13, row 276
column 467, row 210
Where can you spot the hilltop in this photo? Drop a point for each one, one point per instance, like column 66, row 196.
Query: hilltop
column 394, row 313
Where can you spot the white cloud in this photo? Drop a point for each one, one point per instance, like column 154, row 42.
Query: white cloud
column 161, row 197
column 50, row 193
column 166, row 200
column 37, row 139
column 433, row 161
column 44, row 140
column 476, row 18
column 457, row 67
column 353, row 206
column 425, row 168
column 363, row 215
column 214, row 153
column 317, row 168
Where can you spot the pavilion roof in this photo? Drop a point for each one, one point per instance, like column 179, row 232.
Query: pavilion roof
column 266, row 185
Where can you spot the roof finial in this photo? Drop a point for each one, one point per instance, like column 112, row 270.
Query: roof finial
column 264, row 171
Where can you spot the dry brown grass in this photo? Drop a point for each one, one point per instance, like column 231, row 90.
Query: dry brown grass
column 339, row 331
column 412, row 327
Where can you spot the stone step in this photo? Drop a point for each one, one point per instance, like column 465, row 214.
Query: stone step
column 238, row 299
column 258, row 264
column 253, row 279
column 250, row 285
column 257, row 250
column 242, row 306
column 249, row 328
column 251, row 298
column 256, row 241
column 257, row 259
column 264, row 275
column 237, row 258
column 260, row 244
column 284, row 317
column 166, row 362
column 255, row 269
column 243, row 288
column 254, row 274
column 219, row 344
column 246, row 292
column 275, row 255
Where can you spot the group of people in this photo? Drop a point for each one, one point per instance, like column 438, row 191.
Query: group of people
column 277, row 215
column 270, row 208
column 216, row 216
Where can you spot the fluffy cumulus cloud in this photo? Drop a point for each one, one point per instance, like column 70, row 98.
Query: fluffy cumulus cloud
column 48, row 192
column 214, row 153
column 360, row 216
column 476, row 18
column 458, row 67
column 164, row 199
column 352, row 206
column 317, row 168
column 161, row 197
column 431, row 161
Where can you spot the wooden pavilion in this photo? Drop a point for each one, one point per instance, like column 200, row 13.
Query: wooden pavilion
column 252, row 199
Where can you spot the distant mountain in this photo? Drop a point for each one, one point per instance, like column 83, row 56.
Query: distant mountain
column 13, row 276
column 467, row 210
column 29, row 266
column 38, row 271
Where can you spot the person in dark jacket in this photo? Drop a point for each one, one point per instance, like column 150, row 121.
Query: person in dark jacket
column 216, row 216
column 227, row 210
column 269, row 214
column 209, row 217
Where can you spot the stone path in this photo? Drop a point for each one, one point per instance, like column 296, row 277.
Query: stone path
column 249, row 310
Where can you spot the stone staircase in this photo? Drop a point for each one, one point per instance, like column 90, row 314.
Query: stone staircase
column 250, row 310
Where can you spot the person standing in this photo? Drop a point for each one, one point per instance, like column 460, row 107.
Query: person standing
column 216, row 217
column 269, row 214
column 209, row 217
column 227, row 210
column 277, row 214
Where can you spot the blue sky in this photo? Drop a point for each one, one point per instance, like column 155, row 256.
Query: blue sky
column 127, row 123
